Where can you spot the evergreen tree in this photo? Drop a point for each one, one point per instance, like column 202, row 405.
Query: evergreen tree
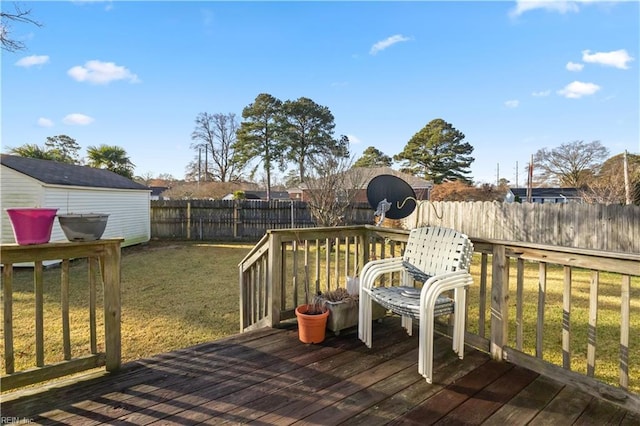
column 307, row 132
column 258, row 136
column 373, row 157
column 438, row 152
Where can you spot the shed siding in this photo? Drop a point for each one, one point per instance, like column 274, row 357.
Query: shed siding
column 17, row 190
column 128, row 210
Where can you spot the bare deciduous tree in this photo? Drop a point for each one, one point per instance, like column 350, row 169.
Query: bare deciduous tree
column 23, row 16
column 572, row 164
column 332, row 185
column 609, row 185
column 215, row 134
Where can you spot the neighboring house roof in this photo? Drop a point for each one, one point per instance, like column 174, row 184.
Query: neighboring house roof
column 359, row 177
column 157, row 190
column 413, row 181
column 546, row 192
column 261, row 195
column 56, row 173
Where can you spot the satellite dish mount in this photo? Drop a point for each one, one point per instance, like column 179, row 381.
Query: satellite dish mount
column 391, row 197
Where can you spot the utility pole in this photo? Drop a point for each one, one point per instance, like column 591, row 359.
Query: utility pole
column 517, row 172
column 206, row 162
column 530, row 180
column 627, row 186
column 199, row 165
column 498, row 175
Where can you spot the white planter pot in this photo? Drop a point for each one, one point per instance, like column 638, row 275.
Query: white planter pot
column 83, row 227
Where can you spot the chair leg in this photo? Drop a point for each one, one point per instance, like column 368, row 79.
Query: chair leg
column 454, row 338
column 407, row 324
column 460, row 304
column 425, row 347
column 364, row 319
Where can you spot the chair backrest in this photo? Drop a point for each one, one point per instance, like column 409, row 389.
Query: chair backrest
column 435, row 250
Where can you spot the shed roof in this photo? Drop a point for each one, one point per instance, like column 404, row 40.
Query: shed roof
column 56, row 173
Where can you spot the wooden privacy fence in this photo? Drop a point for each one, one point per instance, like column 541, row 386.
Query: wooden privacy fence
column 236, row 219
column 590, row 226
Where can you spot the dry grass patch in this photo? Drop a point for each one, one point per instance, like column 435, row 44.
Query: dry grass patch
column 174, row 295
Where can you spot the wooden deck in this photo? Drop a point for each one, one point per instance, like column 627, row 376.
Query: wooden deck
column 267, row 377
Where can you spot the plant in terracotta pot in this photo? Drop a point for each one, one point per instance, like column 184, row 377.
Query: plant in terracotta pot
column 312, row 319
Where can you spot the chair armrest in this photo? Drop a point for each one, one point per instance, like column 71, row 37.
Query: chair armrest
column 438, row 284
column 373, row 269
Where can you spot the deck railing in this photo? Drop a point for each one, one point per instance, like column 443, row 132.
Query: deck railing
column 514, row 312
column 103, row 264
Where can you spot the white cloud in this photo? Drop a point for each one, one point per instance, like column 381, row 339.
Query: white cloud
column 578, row 89
column 573, row 66
column 45, row 122
column 560, row 6
column 32, row 60
column 388, row 42
column 616, row 58
column 523, row 6
column 77, row 119
column 98, row 72
column 541, row 93
column 513, row 103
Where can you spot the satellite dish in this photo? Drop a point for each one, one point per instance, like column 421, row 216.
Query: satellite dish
column 391, row 196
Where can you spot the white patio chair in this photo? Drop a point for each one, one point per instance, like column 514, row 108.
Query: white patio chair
column 437, row 257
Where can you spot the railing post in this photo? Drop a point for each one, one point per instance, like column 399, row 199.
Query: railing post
column 112, row 314
column 274, row 278
column 363, row 250
column 499, row 301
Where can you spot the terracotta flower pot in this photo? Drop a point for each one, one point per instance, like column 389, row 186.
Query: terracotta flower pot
column 311, row 327
column 31, row 225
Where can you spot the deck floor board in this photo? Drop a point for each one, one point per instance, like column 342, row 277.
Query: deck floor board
column 268, row 377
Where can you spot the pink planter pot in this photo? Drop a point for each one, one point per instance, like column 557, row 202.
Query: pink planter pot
column 31, row 225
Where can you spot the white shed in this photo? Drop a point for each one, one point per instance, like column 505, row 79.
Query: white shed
column 29, row 182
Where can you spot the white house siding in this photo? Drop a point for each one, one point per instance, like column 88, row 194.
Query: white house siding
column 129, row 210
column 17, row 190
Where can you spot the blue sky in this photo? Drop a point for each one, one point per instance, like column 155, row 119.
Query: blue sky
column 514, row 77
